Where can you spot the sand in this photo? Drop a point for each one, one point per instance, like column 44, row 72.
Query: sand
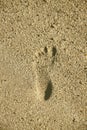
column 43, row 64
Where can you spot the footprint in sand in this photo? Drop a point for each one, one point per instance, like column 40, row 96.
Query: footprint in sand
column 43, row 63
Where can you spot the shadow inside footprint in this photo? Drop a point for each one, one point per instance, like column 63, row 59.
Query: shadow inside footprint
column 48, row 91
column 45, row 49
column 54, row 51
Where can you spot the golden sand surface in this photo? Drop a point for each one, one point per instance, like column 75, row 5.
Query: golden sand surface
column 43, row 64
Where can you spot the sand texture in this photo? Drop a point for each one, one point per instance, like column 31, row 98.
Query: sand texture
column 43, row 64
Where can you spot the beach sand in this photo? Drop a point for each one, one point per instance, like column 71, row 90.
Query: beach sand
column 43, row 64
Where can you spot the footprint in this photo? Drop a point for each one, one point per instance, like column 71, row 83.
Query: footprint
column 43, row 63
